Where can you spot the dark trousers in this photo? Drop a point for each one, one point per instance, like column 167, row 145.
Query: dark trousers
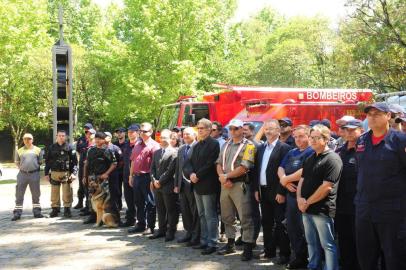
column 380, row 238
column 295, row 228
column 120, row 180
column 167, row 210
column 274, row 231
column 345, row 229
column 144, row 201
column 190, row 216
column 82, row 190
column 113, row 189
column 129, row 198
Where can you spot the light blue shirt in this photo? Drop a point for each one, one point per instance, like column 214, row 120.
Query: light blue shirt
column 221, row 141
column 265, row 159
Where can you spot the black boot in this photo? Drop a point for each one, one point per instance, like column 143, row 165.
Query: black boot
column 247, row 253
column 66, row 212
column 85, row 212
column 55, row 212
column 15, row 217
column 228, row 248
column 79, row 205
column 91, row 219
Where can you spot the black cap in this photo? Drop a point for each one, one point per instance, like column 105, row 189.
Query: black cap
column 326, row 123
column 314, row 122
column 400, row 119
column 134, row 127
column 176, row 129
column 356, row 123
column 381, row 106
column 120, row 129
column 287, row 120
column 88, row 125
column 100, row 135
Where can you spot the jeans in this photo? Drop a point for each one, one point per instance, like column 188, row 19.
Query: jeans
column 207, row 209
column 146, row 212
column 295, row 228
column 319, row 232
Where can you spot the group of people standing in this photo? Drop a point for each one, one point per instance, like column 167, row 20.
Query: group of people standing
column 321, row 201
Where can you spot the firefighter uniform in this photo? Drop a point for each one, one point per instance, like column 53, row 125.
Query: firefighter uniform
column 238, row 197
column 60, row 164
column 380, row 213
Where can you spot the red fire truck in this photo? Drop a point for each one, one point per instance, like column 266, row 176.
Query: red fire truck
column 256, row 104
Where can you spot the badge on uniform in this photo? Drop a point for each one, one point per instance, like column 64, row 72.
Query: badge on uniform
column 360, row 148
column 62, row 152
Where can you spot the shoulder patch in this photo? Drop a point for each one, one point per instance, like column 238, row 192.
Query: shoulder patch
column 249, row 153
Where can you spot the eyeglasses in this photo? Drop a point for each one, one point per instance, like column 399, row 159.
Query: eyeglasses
column 234, row 128
column 214, row 129
column 145, row 131
column 201, row 128
column 315, row 138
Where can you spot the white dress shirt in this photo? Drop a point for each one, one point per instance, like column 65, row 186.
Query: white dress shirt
column 265, row 159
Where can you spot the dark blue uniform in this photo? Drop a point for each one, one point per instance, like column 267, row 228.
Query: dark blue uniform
column 128, row 191
column 114, row 182
column 120, row 171
column 82, row 146
column 381, row 201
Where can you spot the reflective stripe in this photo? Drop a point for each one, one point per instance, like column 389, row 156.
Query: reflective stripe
column 235, row 156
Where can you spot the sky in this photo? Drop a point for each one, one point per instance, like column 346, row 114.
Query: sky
column 333, row 9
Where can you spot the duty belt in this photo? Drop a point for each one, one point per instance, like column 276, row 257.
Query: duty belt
column 33, row 171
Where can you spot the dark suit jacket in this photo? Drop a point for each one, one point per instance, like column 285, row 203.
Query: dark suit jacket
column 163, row 168
column 181, row 162
column 203, row 163
column 272, row 179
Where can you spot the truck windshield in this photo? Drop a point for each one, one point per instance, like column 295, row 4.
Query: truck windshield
column 198, row 110
column 168, row 117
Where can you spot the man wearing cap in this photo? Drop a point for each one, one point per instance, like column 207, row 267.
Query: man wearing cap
column 341, row 131
column 29, row 158
column 345, row 211
column 99, row 164
column 60, row 170
column 129, row 194
column 82, row 146
column 114, row 182
column 380, row 201
column 286, row 132
column 121, row 142
column 235, row 160
column 402, row 121
column 271, row 194
column 140, row 179
column 396, row 111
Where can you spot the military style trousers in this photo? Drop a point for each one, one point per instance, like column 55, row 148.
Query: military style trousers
column 238, row 198
column 67, row 193
column 23, row 180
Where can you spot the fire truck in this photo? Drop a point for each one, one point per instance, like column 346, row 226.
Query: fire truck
column 257, row 104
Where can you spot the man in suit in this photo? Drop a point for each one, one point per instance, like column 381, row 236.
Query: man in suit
column 183, row 187
column 206, row 185
column 271, row 194
column 162, row 172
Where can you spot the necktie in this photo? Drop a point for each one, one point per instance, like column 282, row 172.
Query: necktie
column 186, row 151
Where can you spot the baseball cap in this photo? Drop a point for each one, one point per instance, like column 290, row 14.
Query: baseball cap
column 100, row 135
column 120, row 129
column 343, row 120
column 108, row 134
column 88, row 125
column 92, row 131
column 381, row 106
column 236, row 123
column 396, row 108
column 325, row 122
column 356, row 123
column 286, row 120
column 400, row 119
column 133, row 127
column 176, row 129
column 28, row 136
column 312, row 123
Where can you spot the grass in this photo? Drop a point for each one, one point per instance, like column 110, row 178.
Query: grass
column 8, row 181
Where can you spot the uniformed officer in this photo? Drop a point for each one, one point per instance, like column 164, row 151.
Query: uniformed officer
column 380, row 201
column 29, row 158
column 60, row 169
column 121, row 142
column 99, row 164
column 235, row 160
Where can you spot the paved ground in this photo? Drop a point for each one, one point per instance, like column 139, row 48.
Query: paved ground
column 57, row 243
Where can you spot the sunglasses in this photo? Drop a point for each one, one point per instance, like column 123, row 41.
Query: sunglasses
column 214, row 129
column 144, row 131
column 234, row 128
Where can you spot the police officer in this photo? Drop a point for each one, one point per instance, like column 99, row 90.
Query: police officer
column 235, row 160
column 60, row 169
column 82, row 146
column 121, row 142
column 98, row 166
column 380, row 201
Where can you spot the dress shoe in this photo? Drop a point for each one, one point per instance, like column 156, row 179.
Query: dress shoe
column 228, row 248
column 15, row 217
column 200, row 247
column 282, row 260
column 157, row 235
column 239, row 241
column 169, row 237
column 269, row 254
column 247, row 253
column 184, row 239
column 136, row 229
column 90, row 220
column 79, row 205
column 148, row 231
column 209, row 250
column 54, row 212
column 66, row 212
column 297, row 264
column 193, row 243
column 38, row 215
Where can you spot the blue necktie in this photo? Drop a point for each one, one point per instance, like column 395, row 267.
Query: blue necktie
column 186, row 151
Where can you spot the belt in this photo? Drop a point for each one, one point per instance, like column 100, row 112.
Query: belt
column 37, row 170
column 140, row 174
column 265, row 186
